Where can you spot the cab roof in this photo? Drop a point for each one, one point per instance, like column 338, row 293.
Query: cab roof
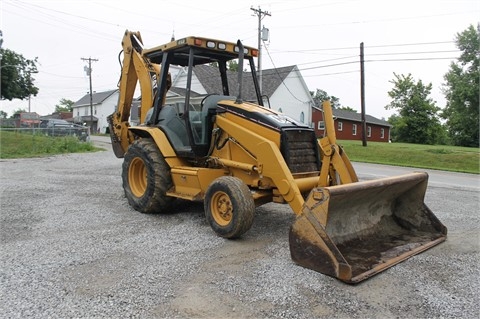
column 206, row 51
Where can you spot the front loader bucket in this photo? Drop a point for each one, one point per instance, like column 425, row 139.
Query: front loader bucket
column 354, row 231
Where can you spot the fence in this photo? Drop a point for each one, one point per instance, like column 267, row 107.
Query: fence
column 82, row 133
column 19, row 142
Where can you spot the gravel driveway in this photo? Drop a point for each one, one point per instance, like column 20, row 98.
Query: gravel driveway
column 71, row 247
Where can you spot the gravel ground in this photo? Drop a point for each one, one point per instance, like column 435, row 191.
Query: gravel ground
column 71, row 247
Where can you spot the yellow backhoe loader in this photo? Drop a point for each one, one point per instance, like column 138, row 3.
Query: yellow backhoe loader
column 234, row 153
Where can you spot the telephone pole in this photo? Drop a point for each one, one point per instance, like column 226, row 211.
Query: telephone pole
column 89, row 73
column 261, row 14
column 362, row 95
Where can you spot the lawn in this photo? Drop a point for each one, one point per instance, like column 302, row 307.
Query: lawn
column 21, row 144
column 441, row 157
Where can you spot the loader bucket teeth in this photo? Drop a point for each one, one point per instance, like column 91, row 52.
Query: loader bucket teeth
column 354, row 231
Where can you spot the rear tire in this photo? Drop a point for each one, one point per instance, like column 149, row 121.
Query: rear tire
column 146, row 178
column 229, row 207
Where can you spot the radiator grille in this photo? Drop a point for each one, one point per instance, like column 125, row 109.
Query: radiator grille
column 299, row 148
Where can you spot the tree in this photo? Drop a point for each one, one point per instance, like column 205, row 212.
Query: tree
column 18, row 111
column 16, row 75
column 418, row 120
column 461, row 90
column 320, row 95
column 65, row 105
column 347, row 108
column 232, row 65
column 3, row 114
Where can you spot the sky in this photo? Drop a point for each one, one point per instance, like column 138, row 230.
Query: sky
column 321, row 37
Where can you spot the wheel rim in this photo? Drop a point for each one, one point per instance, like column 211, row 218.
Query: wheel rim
column 137, row 177
column 222, row 208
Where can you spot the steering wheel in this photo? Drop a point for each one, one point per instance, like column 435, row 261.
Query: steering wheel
column 203, row 100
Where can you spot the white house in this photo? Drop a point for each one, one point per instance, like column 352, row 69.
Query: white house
column 288, row 92
column 284, row 88
column 103, row 104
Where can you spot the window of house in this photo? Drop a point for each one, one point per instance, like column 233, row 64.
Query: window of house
column 354, row 129
column 321, row 125
column 340, row 126
column 382, row 133
column 86, row 111
column 369, row 131
column 302, row 117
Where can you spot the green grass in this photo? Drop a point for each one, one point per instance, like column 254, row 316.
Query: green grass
column 439, row 157
column 17, row 144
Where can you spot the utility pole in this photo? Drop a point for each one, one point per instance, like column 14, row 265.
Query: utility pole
column 89, row 73
column 362, row 95
column 261, row 14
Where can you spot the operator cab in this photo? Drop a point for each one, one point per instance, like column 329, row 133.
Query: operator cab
column 189, row 130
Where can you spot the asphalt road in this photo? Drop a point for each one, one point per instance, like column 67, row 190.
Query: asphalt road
column 435, row 177
column 71, row 247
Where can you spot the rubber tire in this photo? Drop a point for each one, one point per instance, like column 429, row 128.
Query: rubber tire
column 146, row 195
column 231, row 196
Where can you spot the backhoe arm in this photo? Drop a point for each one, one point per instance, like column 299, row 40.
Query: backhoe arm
column 135, row 68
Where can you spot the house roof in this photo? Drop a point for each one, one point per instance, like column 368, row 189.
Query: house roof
column 357, row 117
column 354, row 116
column 182, row 92
column 271, row 80
column 97, row 98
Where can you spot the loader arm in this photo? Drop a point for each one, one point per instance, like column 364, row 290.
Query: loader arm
column 270, row 162
column 336, row 167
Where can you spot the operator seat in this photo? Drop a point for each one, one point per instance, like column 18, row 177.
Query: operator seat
column 173, row 126
column 209, row 104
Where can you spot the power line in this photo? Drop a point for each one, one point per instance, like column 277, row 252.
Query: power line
column 422, row 52
column 325, row 74
column 380, row 60
column 413, row 59
column 330, row 65
column 62, row 76
column 276, row 71
column 371, row 46
column 328, row 60
column 408, row 44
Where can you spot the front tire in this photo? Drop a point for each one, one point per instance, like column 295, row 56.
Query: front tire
column 146, row 177
column 229, row 207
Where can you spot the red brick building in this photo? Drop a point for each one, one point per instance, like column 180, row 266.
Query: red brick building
column 348, row 125
column 26, row 119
